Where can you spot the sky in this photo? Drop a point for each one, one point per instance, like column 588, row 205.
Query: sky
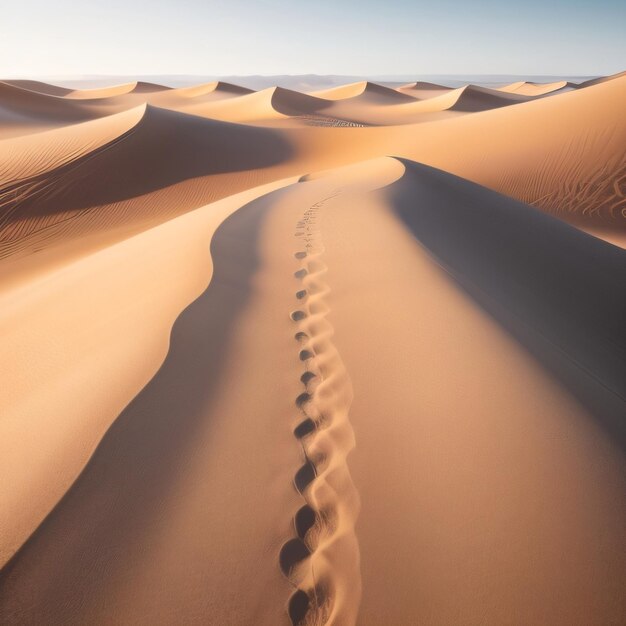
column 351, row 37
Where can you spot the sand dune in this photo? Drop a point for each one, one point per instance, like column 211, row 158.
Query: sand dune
column 473, row 98
column 145, row 87
column 568, row 158
column 40, row 87
column 380, row 112
column 275, row 103
column 360, row 104
column 354, row 356
column 421, row 89
column 23, row 158
column 214, row 88
column 535, row 89
column 23, row 110
column 535, row 254
column 601, row 79
column 468, row 99
column 173, row 256
column 569, row 166
column 370, row 92
column 441, row 402
column 118, row 177
column 105, row 92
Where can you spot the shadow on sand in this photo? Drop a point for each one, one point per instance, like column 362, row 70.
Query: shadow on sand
column 559, row 291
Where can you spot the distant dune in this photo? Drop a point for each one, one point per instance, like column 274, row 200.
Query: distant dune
column 105, row 92
column 363, row 91
column 536, row 89
column 39, row 87
column 214, row 88
column 352, row 355
column 23, row 110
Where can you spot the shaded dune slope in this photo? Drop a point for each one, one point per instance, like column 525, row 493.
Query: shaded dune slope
column 530, row 269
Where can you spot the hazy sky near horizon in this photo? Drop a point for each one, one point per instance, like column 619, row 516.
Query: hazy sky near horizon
column 357, row 37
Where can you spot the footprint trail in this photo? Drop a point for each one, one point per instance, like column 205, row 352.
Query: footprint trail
column 322, row 560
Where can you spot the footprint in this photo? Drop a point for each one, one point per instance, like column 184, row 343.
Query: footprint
column 304, row 520
column 302, row 399
column 304, row 428
column 292, row 553
column 300, row 273
column 300, row 255
column 296, row 316
column 304, row 476
column 300, row 336
column 307, row 377
column 305, row 355
column 299, row 604
column 300, row 294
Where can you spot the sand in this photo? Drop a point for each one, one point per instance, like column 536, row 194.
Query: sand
column 346, row 357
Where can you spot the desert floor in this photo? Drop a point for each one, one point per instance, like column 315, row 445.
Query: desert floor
column 355, row 356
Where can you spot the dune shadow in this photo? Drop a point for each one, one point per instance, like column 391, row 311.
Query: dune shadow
column 77, row 553
column 557, row 290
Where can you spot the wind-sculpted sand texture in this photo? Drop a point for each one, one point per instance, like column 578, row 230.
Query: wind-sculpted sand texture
column 354, row 356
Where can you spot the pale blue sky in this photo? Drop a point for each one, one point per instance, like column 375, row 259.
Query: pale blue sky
column 358, row 37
